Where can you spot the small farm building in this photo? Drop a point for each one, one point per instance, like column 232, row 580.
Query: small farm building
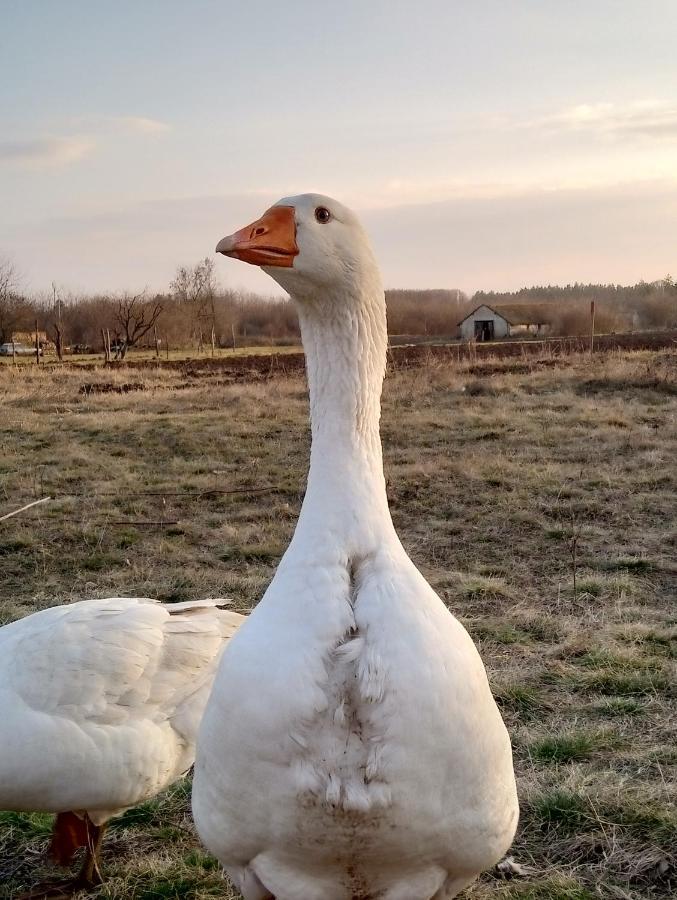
column 488, row 323
column 28, row 337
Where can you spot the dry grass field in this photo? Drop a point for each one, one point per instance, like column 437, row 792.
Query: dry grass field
column 497, row 474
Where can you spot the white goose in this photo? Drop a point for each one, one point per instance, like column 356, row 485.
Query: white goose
column 369, row 758
column 100, row 702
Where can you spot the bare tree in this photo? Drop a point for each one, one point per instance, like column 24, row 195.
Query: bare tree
column 11, row 304
column 57, row 323
column 135, row 315
column 195, row 286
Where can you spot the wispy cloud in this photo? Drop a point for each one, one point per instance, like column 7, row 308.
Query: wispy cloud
column 646, row 118
column 47, row 151
column 141, row 124
column 121, row 125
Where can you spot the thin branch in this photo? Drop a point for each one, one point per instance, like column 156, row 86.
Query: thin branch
column 27, row 506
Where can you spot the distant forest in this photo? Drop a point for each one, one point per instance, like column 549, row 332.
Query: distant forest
column 196, row 312
column 643, row 306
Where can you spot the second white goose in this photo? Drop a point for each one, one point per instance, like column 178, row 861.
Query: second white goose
column 100, row 703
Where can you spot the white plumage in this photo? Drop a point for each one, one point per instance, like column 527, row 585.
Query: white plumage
column 370, row 760
column 100, row 702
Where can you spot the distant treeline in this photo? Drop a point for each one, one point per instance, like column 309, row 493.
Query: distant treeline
column 196, row 312
column 642, row 306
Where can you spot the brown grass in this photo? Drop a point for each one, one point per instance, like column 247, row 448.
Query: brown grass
column 489, row 474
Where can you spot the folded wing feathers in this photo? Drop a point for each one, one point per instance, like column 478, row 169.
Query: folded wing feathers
column 110, row 661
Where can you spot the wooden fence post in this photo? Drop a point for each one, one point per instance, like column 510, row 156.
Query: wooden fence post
column 592, row 326
column 37, row 344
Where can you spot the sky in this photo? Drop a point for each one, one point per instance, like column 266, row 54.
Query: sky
column 487, row 144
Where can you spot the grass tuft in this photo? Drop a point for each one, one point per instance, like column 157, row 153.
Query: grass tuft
column 621, row 706
column 573, row 746
column 253, row 553
column 523, row 700
column 625, row 684
column 479, row 586
column 561, row 809
column 550, row 889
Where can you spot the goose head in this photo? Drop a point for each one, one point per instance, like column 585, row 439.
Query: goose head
column 307, row 244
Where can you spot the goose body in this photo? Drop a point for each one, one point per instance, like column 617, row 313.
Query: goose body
column 370, row 760
column 100, row 703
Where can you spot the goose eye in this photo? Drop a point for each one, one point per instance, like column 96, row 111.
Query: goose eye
column 322, row 215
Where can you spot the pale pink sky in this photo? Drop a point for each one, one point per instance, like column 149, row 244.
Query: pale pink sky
column 487, row 145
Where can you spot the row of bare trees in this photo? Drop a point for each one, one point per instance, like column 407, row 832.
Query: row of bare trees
column 196, row 312
column 14, row 308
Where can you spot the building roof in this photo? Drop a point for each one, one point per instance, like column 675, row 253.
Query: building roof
column 520, row 313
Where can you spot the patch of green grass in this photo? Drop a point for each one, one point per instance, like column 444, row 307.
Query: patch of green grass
column 665, row 756
column 620, row 675
column 602, row 586
column 590, row 586
column 169, row 834
column 522, row 699
column 598, row 657
column 126, row 538
column 29, row 825
column 138, row 816
column 158, row 810
column 10, row 545
column 572, row 746
column 540, row 628
column 550, row 889
column 179, row 589
column 620, row 706
column 96, row 562
column 501, row 632
column 641, row 684
column 650, row 823
column 253, row 553
column 198, row 859
column 174, row 886
column 637, row 564
column 570, row 812
column 561, row 809
column 661, row 643
column 478, row 586
column 608, row 660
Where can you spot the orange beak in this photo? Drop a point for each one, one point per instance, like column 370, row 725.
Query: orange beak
column 270, row 241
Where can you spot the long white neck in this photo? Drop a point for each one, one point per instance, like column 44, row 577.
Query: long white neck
column 345, row 340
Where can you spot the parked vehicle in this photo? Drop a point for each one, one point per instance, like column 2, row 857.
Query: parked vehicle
column 12, row 349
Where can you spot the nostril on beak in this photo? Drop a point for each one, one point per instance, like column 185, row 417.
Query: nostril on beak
column 259, row 231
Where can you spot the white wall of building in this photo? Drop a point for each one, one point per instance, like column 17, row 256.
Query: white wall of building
column 484, row 314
